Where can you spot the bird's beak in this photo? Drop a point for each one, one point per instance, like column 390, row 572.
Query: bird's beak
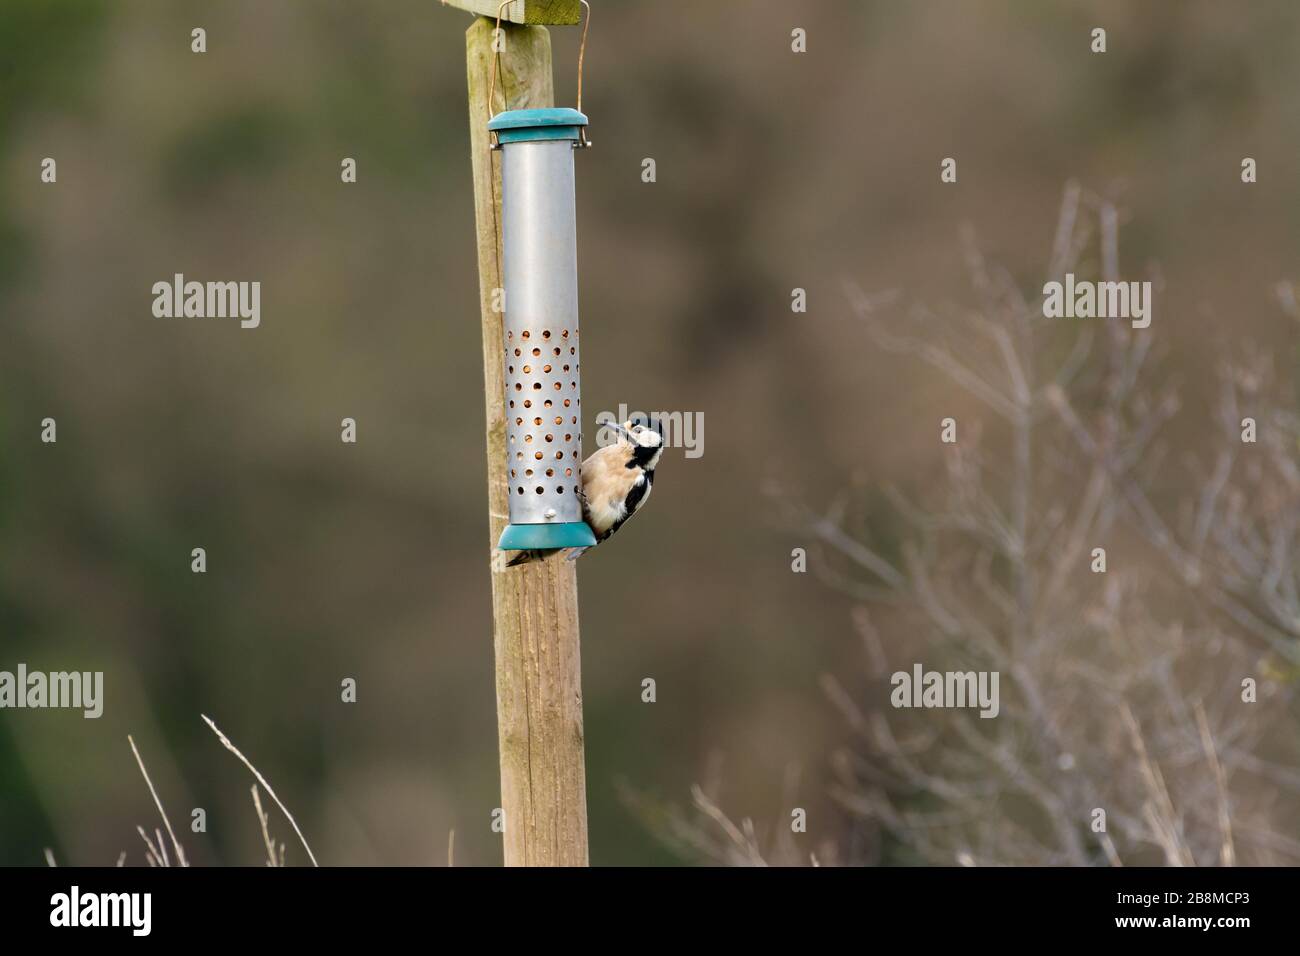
column 618, row 429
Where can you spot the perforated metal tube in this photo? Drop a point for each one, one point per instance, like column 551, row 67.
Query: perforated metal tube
column 540, row 276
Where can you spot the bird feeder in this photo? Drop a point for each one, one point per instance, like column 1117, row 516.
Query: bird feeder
column 540, row 279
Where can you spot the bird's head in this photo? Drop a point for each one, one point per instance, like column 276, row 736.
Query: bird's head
column 645, row 442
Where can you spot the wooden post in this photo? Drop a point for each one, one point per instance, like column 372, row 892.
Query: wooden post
column 535, row 606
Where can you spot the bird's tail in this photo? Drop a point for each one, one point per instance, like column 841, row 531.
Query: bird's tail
column 523, row 557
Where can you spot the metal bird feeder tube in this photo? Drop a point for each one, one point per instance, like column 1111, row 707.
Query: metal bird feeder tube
column 540, row 278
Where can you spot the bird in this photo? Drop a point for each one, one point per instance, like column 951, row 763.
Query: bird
column 616, row 484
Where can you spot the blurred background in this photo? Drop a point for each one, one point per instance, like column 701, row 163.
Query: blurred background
column 775, row 171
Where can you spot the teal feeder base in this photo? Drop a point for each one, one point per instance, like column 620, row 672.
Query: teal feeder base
column 545, row 537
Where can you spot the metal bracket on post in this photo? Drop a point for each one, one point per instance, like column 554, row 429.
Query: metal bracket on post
column 493, row 138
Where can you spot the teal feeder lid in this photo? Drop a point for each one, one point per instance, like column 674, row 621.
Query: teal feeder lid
column 520, row 126
column 542, row 537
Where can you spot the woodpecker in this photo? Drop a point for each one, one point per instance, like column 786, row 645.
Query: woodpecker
column 616, row 483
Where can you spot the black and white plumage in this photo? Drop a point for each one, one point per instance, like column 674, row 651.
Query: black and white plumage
column 616, row 483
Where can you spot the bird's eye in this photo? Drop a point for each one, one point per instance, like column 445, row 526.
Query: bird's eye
column 637, row 429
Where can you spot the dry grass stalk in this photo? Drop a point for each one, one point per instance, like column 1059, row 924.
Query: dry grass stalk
column 225, row 742
column 271, row 858
column 152, row 856
column 180, row 852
